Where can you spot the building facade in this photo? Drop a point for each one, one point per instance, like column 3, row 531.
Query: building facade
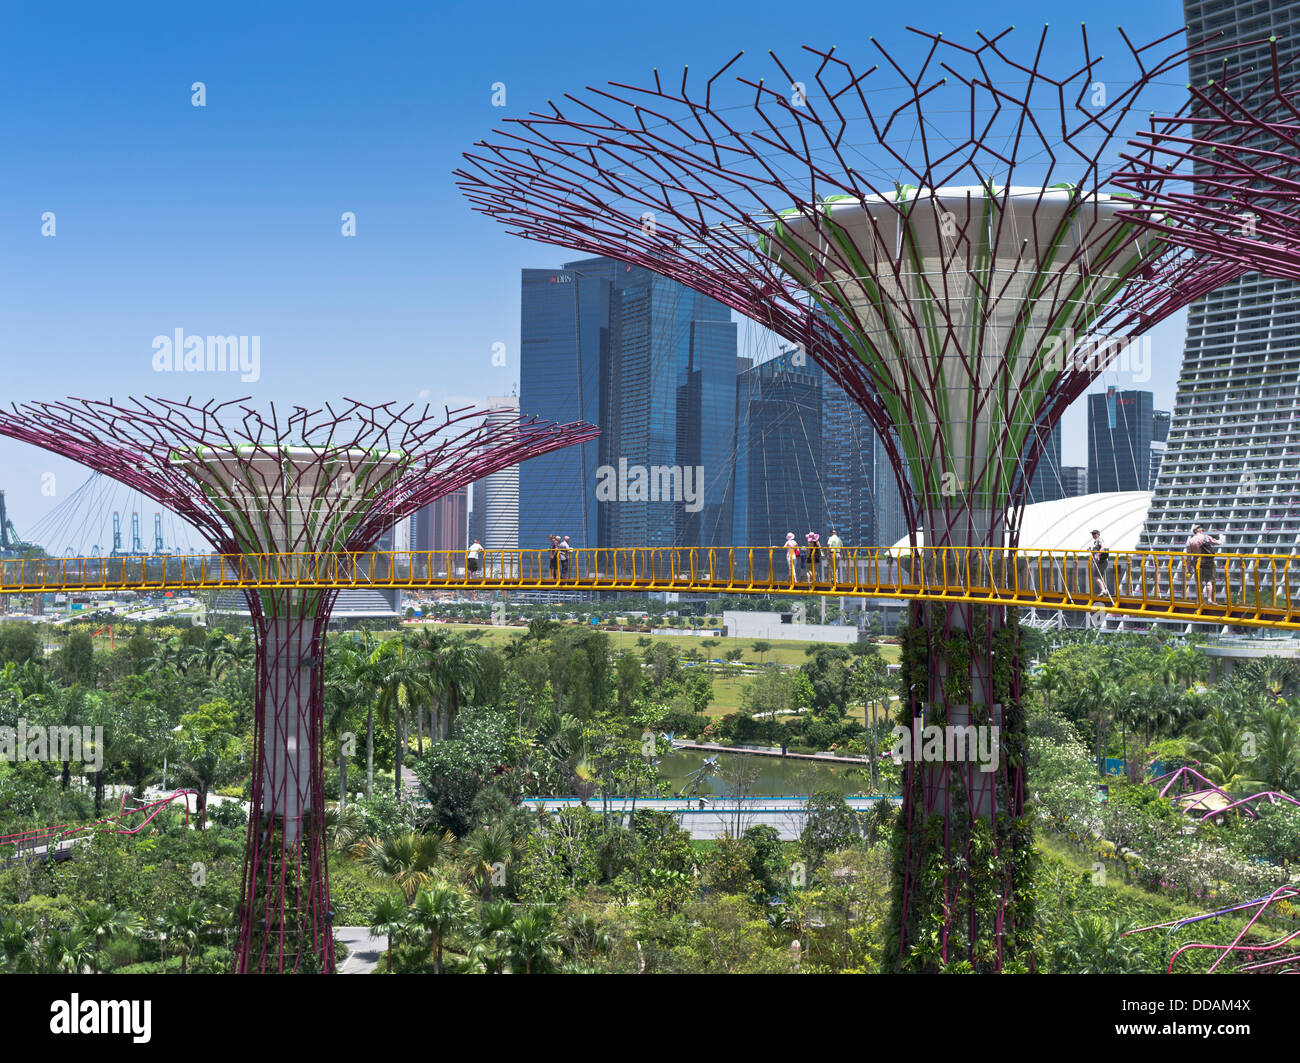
column 654, row 365
column 1121, row 425
column 494, row 500
column 443, row 524
column 1232, row 461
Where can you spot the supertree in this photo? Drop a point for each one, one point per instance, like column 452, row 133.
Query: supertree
column 1222, row 175
column 962, row 311
column 313, row 482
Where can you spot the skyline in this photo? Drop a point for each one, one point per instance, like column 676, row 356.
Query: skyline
column 227, row 219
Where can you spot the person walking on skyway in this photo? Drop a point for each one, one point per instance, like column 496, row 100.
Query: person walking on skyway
column 833, row 544
column 792, row 555
column 1100, row 558
column 472, row 558
column 814, row 541
column 1200, row 549
column 562, row 555
column 555, row 556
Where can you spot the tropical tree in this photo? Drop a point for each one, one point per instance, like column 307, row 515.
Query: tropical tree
column 491, row 934
column 409, row 861
column 102, row 922
column 64, row 951
column 388, row 920
column 182, row 927
column 18, row 945
column 439, row 910
column 532, row 941
column 204, row 746
column 488, row 850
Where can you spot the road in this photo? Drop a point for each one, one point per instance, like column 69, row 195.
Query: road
column 364, row 949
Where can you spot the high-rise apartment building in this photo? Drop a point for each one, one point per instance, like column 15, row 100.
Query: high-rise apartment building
column 1233, row 455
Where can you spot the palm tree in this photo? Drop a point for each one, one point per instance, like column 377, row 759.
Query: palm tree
column 1092, row 944
column 388, row 920
column 1221, row 748
column 182, row 924
column 439, row 910
column 102, row 922
column 396, row 677
column 494, row 920
column 1049, row 679
column 346, row 687
column 408, row 861
column 585, row 939
column 532, row 941
column 456, row 671
column 65, row 951
column 1279, row 748
column 489, row 850
column 18, row 945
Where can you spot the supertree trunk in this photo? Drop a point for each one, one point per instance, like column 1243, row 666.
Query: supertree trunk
column 285, row 922
column 963, row 857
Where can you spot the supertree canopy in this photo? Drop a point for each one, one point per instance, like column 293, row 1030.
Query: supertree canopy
column 313, row 482
column 962, row 278
column 1222, row 175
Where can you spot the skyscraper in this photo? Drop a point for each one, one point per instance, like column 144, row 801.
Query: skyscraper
column 1233, row 456
column 779, row 453
column 1074, row 481
column 443, row 525
column 654, row 365
column 848, row 470
column 1046, row 483
column 1120, row 427
column 494, row 500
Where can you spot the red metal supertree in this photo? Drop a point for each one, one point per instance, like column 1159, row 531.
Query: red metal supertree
column 313, row 482
column 961, row 310
column 1222, row 175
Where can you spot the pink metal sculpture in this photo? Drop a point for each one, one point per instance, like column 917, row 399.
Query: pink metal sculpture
column 313, row 482
column 962, row 311
column 1223, row 174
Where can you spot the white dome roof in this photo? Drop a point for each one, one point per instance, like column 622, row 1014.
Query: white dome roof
column 1064, row 524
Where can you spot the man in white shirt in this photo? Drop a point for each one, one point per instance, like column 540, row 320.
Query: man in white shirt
column 472, row 558
column 833, row 544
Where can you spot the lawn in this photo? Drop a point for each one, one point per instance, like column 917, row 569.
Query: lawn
column 728, row 680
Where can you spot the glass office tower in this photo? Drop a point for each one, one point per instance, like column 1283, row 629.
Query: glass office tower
column 654, row 365
column 1121, row 429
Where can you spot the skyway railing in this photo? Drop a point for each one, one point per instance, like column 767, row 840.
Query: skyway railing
column 1260, row 590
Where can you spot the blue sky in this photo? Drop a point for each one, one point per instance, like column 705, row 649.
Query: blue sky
column 225, row 219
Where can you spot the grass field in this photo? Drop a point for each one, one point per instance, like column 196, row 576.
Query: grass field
column 727, row 685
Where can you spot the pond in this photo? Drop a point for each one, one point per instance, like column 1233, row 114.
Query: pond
column 776, row 776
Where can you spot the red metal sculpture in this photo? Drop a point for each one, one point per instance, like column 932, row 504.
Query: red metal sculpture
column 316, row 481
column 962, row 279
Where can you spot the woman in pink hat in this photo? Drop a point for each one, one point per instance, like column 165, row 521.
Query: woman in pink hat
column 792, row 555
column 814, row 555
